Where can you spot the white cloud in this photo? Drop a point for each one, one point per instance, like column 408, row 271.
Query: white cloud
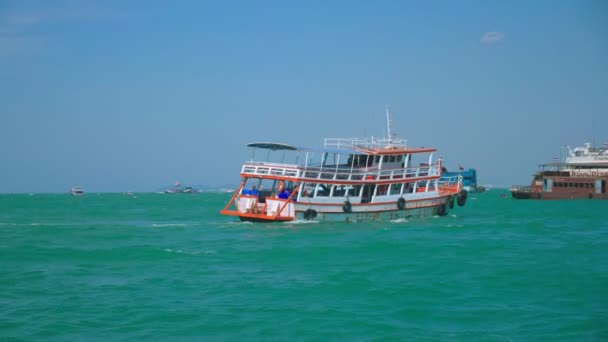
column 492, row 37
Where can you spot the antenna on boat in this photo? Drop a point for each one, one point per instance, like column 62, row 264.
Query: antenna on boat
column 388, row 126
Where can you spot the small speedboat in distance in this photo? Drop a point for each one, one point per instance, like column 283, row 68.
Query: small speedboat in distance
column 348, row 179
column 76, row 191
column 180, row 189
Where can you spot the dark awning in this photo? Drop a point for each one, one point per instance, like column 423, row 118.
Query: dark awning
column 272, row 146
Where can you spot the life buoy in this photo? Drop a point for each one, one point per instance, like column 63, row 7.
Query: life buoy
column 310, row 214
column 441, row 211
column 462, row 198
column 347, row 207
column 401, row 203
column 281, row 186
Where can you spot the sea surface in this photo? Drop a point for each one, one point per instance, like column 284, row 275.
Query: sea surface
column 170, row 267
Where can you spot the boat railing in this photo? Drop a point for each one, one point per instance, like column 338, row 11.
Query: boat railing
column 451, row 180
column 350, row 143
column 328, row 174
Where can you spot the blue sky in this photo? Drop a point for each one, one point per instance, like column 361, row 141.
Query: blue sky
column 134, row 95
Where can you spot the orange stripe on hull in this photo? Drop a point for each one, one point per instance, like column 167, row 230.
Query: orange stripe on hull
column 256, row 217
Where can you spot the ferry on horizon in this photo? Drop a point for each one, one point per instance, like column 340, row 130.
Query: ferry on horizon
column 584, row 174
column 347, row 180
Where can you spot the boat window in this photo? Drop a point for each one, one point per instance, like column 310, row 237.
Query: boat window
column 392, row 159
column 367, row 192
column 344, row 190
column 408, row 189
column 378, row 159
column 323, row 190
column 382, row 190
column 396, row 188
column 399, row 158
column 339, row 190
column 308, row 190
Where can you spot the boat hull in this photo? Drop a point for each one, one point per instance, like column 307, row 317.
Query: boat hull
column 556, row 196
column 357, row 212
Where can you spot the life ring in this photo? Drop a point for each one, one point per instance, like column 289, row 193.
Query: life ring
column 462, row 198
column 310, row 214
column 281, row 186
column 441, row 211
column 451, row 202
column 347, row 207
column 401, row 203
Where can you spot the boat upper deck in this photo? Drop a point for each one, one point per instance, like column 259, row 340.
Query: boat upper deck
column 344, row 174
column 375, row 146
column 346, row 161
column 588, row 156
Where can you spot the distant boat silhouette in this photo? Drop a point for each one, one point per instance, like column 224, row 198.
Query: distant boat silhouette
column 76, row 191
column 179, row 189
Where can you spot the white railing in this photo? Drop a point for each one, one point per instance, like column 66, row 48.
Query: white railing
column 331, row 174
column 349, row 143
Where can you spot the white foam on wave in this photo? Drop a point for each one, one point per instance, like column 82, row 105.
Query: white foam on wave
column 399, row 220
column 169, row 225
column 301, row 222
column 180, row 251
column 238, row 222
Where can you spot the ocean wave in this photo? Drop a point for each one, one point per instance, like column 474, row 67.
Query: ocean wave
column 169, row 225
column 301, row 222
column 181, row 251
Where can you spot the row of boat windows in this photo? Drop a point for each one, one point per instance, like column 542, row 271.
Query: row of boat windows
column 573, row 185
column 329, row 190
column 360, row 160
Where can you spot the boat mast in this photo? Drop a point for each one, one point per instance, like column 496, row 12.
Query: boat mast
column 388, row 126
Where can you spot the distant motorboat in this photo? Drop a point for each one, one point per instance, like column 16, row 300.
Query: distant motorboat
column 179, row 189
column 76, row 191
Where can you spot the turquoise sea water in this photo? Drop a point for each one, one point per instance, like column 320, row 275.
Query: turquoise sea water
column 164, row 267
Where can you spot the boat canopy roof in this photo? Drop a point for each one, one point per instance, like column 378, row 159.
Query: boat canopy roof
column 397, row 150
column 279, row 146
column 357, row 150
column 272, row 146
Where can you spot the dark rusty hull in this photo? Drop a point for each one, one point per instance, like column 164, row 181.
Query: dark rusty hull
column 564, row 188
